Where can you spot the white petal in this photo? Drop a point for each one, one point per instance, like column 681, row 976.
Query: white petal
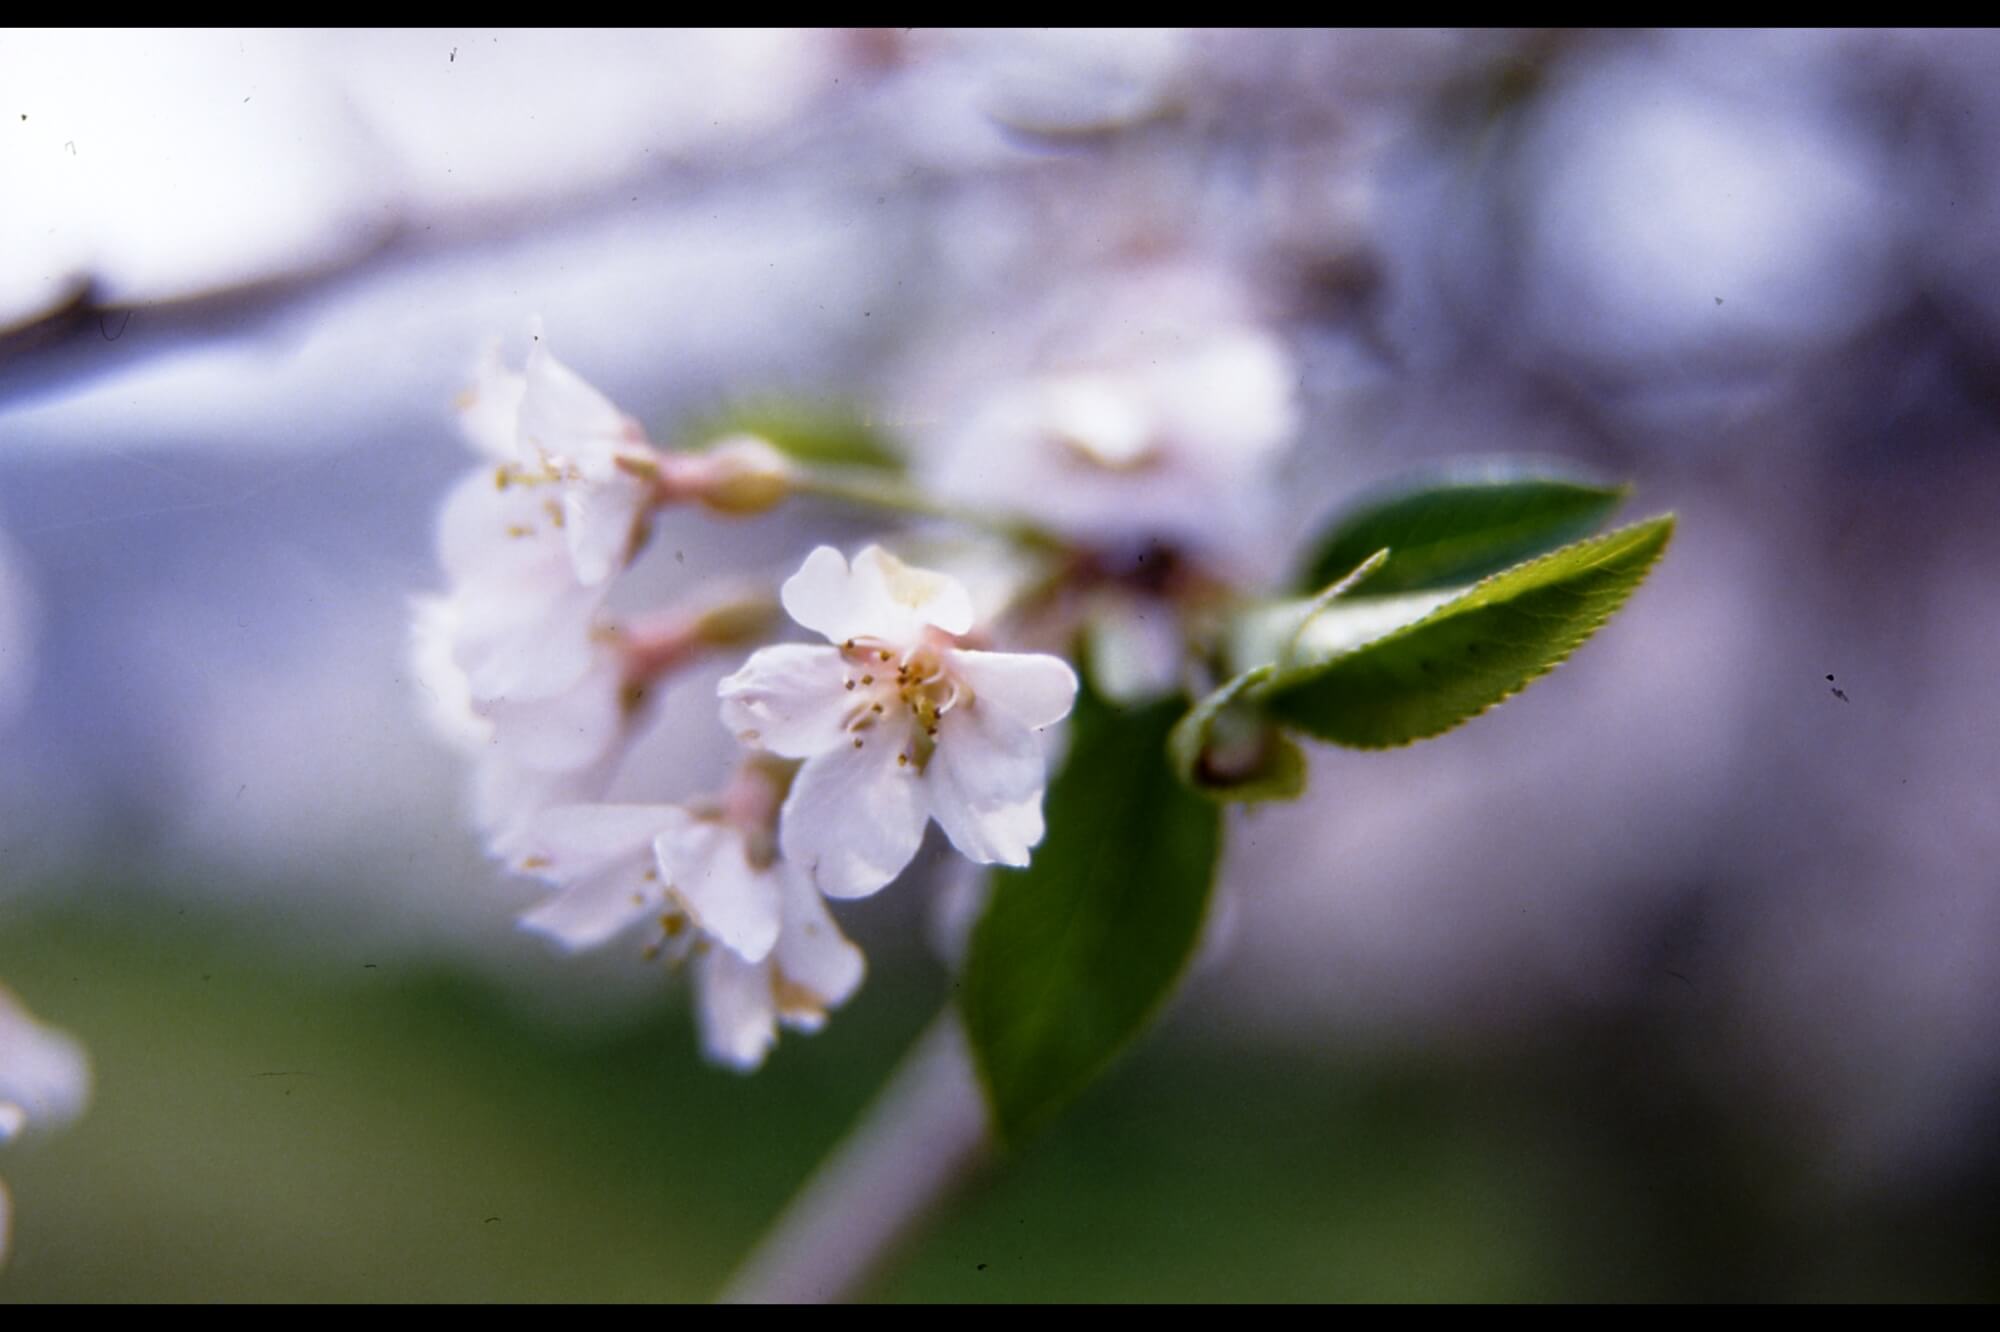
column 854, row 818
column 565, row 418
column 816, row 967
column 880, row 597
column 600, row 521
column 522, row 650
column 1100, row 416
column 507, row 798
column 1033, row 688
column 573, row 840
column 1232, row 405
column 446, row 693
column 489, row 412
column 984, row 784
column 505, row 538
column 822, row 596
column 594, row 908
column 42, row 1071
column 564, row 732
column 906, row 598
column 790, row 699
column 739, row 1014
column 707, row 866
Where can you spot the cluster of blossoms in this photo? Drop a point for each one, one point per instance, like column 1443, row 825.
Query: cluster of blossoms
column 851, row 747
column 44, row 1081
column 1137, row 460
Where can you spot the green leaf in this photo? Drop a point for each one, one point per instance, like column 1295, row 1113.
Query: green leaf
column 1459, row 526
column 821, row 434
column 1226, row 750
column 1470, row 652
column 1075, row 953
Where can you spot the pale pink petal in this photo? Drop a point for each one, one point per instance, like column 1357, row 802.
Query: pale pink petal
column 817, row 968
column 489, row 412
column 902, row 599
column 879, row 597
column 520, row 650
column 707, row 866
column 790, row 699
column 447, row 695
column 854, row 818
column 42, row 1071
column 824, row 598
column 739, row 1013
column 1032, row 688
column 601, row 523
column 6, row 1222
column 565, row 418
column 573, row 840
column 563, row 732
column 1099, row 416
column 594, row 908
column 1231, row 406
column 504, row 537
column 506, row 799
column 984, row 785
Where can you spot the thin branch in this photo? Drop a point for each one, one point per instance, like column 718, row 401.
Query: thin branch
column 921, row 1141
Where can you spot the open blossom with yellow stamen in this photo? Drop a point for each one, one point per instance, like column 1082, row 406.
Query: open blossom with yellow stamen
column 568, row 482
column 897, row 723
column 530, row 541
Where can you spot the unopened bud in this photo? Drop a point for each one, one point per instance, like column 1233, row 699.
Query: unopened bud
column 733, row 623
column 741, row 475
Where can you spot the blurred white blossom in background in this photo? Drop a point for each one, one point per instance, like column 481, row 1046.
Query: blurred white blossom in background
column 44, row 1082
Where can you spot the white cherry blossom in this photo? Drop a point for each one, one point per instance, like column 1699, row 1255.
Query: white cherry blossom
column 44, row 1081
column 766, row 952
column 570, row 473
column 529, row 542
column 897, row 723
column 533, row 749
column 1152, row 408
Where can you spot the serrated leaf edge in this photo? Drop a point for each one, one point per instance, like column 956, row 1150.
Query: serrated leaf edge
column 1281, row 680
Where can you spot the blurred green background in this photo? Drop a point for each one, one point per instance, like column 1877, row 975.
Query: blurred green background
column 266, row 1127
